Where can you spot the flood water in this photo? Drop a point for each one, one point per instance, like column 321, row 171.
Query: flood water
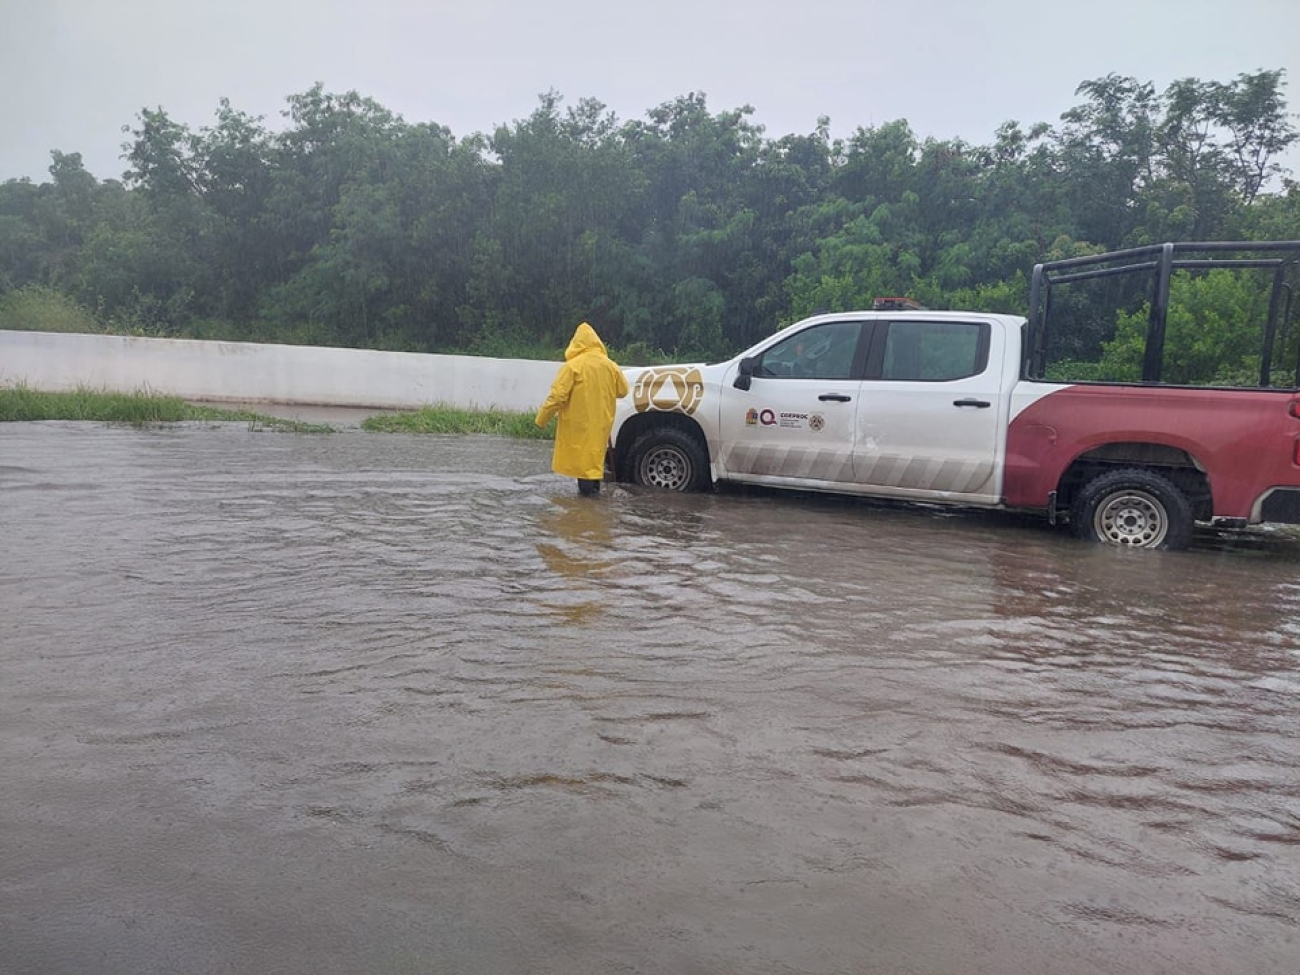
column 367, row 703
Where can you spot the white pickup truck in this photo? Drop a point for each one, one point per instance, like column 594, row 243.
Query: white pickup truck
column 952, row 407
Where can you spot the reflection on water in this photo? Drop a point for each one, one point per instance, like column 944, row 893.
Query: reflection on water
column 574, row 539
column 408, row 704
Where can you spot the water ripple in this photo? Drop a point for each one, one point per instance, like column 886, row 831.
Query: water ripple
column 741, row 724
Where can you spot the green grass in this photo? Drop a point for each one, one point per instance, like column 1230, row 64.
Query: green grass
column 141, row 408
column 447, row 419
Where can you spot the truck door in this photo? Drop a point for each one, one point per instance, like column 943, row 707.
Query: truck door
column 795, row 424
column 930, row 411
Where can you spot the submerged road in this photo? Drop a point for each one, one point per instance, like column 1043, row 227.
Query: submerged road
column 355, row 702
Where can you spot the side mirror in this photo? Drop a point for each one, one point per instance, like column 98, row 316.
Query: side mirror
column 745, row 372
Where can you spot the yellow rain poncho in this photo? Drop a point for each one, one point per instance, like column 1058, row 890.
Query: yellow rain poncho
column 583, row 394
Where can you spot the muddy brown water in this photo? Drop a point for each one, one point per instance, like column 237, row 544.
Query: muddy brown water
column 365, row 703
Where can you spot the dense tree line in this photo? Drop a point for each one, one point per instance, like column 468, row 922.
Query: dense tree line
column 687, row 231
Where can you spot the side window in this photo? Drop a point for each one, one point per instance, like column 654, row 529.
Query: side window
column 934, row 352
column 824, row 351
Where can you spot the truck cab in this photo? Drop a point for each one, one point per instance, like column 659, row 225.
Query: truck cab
column 902, row 404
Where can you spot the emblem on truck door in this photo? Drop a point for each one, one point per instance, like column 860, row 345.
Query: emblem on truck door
column 672, row 389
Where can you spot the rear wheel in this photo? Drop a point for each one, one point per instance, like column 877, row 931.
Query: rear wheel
column 1133, row 508
column 669, row 459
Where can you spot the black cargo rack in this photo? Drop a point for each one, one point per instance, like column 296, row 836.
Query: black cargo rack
column 1160, row 261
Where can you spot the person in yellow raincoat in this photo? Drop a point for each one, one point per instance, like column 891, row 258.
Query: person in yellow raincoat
column 583, row 394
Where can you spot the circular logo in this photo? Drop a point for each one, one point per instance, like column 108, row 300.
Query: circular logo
column 816, row 421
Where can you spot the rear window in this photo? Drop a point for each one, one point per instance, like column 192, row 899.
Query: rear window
column 934, row 351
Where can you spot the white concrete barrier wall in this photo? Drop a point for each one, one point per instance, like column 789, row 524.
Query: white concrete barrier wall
column 245, row 372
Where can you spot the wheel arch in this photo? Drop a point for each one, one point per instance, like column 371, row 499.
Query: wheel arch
column 640, row 423
column 1178, row 465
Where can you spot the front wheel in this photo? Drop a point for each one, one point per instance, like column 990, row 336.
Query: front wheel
column 669, row 459
column 1133, row 508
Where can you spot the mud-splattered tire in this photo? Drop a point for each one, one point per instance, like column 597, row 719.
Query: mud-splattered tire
column 1133, row 508
column 670, row 459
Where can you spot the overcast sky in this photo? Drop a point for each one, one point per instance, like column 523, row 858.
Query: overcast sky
column 74, row 72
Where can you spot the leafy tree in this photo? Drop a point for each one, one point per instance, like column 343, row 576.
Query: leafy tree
column 688, row 232
column 22, row 245
column 233, row 168
column 64, row 213
column 1253, row 111
column 564, row 193
column 1107, row 146
column 699, row 216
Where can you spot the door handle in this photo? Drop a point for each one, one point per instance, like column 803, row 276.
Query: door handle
column 979, row 404
column 833, row 397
